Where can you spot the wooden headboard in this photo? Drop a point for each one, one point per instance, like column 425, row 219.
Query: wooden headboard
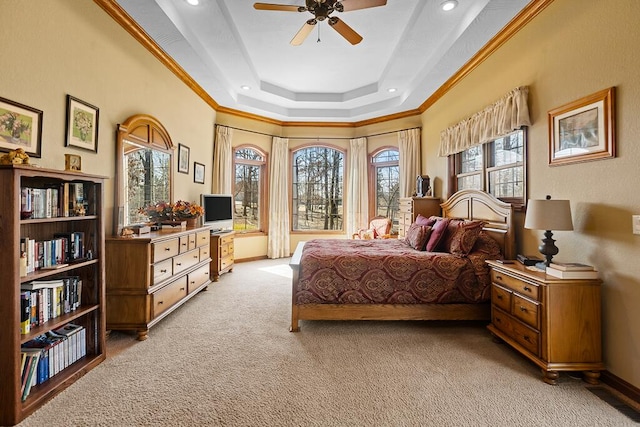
column 478, row 205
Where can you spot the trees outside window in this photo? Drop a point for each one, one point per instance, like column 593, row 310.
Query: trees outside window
column 386, row 176
column 317, row 196
column 249, row 190
column 497, row 167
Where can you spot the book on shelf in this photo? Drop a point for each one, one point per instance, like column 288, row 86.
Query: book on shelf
column 572, row 274
column 571, row 266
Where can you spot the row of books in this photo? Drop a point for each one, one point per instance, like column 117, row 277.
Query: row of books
column 42, row 300
column 48, row 354
column 62, row 249
column 571, row 270
column 59, row 201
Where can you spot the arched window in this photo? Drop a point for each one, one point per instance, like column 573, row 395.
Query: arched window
column 386, row 178
column 249, row 190
column 317, row 179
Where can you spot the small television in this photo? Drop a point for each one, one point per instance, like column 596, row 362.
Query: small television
column 218, row 211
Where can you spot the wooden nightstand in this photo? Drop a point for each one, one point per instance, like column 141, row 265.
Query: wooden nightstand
column 556, row 323
column 221, row 253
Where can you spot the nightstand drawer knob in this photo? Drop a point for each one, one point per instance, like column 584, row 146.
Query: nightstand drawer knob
column 498, row 277
column 528, row 289
column 526, row 338
column 499, row 296
column 522, row 308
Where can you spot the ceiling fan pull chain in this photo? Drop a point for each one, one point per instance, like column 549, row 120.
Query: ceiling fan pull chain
column 318, row 41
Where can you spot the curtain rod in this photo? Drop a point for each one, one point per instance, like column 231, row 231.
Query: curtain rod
column 316, row 137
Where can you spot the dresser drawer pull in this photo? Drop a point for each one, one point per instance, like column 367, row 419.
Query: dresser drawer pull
column 182, row 288
column 160, row 302
column 192, row 282
column 178, row 263
column 526, row 288
column 195, row 257
column 498, row 277
column 499, row 296
column 167, row 249
column 522, row 308
column 526, row 338
column 163, row 271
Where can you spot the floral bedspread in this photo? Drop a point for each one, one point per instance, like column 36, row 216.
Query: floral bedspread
column 388, row 271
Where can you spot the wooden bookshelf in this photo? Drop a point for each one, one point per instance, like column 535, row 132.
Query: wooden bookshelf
column 90, row 314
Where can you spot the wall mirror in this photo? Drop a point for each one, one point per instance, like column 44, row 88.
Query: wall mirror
column 144, row 168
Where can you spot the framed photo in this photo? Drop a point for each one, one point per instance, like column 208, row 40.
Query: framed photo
column 183, row 158
column 198, row 173
column 72, row 162
column 583, row 130
column 20, row 127
column 82, row 125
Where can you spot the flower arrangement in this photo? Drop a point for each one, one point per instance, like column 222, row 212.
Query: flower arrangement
column 164, row 211
column 14, row 125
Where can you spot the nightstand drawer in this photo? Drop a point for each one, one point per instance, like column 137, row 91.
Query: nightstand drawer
column 501, row 297
column 523, row 335
column 525, row 310
column 527, row 289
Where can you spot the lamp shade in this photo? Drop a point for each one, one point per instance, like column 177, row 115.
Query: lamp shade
column 548, row 215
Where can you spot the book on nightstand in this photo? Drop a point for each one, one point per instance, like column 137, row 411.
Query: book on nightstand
column 571, row 266
column 572, row 274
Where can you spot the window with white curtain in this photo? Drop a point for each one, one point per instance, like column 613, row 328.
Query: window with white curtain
column 317, row 192
column 386, row 177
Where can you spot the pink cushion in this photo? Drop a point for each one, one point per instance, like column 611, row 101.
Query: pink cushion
column 461, row 236
column 380, row 226
column 417, row 236
column 422, row 220
column 437, row 233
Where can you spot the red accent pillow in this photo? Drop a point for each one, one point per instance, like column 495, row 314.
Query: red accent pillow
column 422, row 220
column 461, row 236
column 437, row 233
column 417, row 236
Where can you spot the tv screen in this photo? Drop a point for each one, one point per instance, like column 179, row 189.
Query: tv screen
column 218, row 211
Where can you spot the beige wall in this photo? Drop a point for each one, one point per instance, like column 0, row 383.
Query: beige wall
column 574, row 48
column 57, row 47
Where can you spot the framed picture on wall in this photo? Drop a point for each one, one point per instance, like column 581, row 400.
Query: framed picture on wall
column 183, row 158
column 81, row 125
column 20, row 127
column 583, row 130
column 198, row 173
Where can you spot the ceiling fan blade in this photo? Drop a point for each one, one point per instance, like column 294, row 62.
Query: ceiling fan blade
column 303, row 32
column 348, row 5
column 345, row 31
column 280, row 7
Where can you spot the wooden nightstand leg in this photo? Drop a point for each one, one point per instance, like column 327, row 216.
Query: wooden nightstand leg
column 550, row 377
column 592, row 377
column 143, row 334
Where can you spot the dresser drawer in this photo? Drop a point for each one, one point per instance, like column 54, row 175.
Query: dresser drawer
column 198, row 277
column 162, row 270
column 202, row 238
column 405, row 205
column 205, row 252
column 184, row 261
column 501, row 297
column 165, row 249
column 523, row 335
column 184, row 244
column 524, row 288
column 226, row 249
column 226, row 262
column 169, row 295
column 192, row 241
column 225, row 240
column 527, row 311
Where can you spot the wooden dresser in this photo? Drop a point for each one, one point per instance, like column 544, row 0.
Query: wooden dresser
column 221, row 253
column 410, row 207
column 556, row 323
column 149, row 276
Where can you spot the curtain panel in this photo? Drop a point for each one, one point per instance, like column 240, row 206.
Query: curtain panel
column 409, row 160
column 223, row 161
column 357, row 186
column 278, row 238
column 496, row 120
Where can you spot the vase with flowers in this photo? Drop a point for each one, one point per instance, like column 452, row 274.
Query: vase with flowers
column 189, row 211
column 173, row 213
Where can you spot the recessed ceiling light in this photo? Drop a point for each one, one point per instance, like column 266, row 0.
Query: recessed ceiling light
column 193, row 2
column 245, row 87
column 449, row 5
column 391, row 89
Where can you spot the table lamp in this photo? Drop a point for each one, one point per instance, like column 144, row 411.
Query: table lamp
column 548, row 215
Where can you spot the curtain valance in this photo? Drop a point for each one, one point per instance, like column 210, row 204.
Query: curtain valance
column 498, row 119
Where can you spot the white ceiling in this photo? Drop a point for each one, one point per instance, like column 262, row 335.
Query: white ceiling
column 410, row 45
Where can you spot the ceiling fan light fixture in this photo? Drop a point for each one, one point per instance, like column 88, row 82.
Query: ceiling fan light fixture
column 245, row 87
column 391, row 89
column 449, row 5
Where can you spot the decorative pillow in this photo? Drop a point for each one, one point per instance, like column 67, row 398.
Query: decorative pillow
column 462, row 235
column 422, row 220
column 417, row 236
column 437, row 233
column 487, row 245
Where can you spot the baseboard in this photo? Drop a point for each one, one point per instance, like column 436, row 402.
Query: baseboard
column 255, row 258
column 621, row 386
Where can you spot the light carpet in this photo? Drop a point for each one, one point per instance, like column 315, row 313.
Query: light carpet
column 227, row 358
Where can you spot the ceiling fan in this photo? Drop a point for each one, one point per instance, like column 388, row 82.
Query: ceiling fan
column 321, row 9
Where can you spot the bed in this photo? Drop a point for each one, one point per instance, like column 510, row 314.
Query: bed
column 386, row 279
